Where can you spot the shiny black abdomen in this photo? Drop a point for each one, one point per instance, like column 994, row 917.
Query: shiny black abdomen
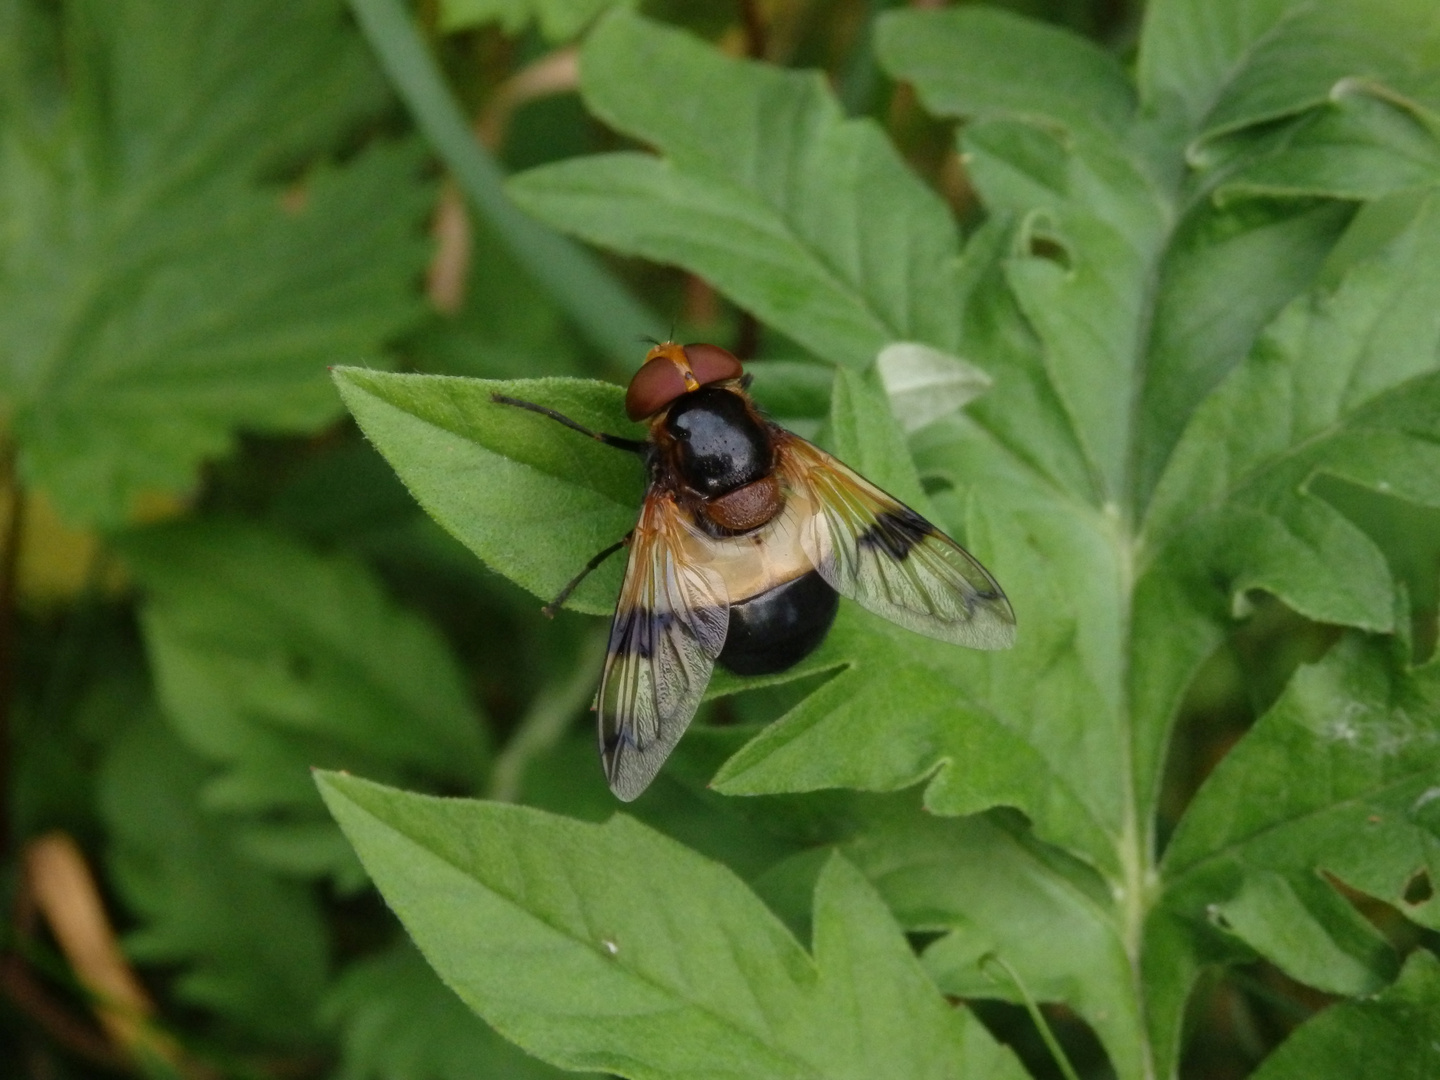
column 779, row 628
column 721, row 444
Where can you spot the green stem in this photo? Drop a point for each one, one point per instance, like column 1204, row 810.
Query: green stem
column 1134, row 907
column 550, row 714
column 1136, row 843
column 1057, row 1051
column 600, row 307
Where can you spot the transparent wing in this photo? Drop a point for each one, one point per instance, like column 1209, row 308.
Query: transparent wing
column 890, row 560
column 669, row 627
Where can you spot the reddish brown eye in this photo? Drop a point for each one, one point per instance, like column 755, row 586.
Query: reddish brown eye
column 710, row 363
column 670, row 370
column 655, row 385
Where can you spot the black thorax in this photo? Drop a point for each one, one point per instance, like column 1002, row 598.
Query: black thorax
column 720, row 444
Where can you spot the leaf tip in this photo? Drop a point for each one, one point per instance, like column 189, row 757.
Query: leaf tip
column 333, row 782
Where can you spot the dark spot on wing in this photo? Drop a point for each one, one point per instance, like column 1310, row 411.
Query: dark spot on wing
column 895, row 532
column 636, row 631
column 613, row 739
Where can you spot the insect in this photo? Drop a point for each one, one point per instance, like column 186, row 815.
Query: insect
column 747, row 537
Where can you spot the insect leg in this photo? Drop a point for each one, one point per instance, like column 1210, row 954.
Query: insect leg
column 634, row 446
column 551, row 608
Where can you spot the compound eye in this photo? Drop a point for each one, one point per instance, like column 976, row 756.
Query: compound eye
column 711, row 364
column 655, row 385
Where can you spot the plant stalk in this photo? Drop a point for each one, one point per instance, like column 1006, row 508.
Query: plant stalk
column 599, row 306
column 1057, row 1052
column 545, row 723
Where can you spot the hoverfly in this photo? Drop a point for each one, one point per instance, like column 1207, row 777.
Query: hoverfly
column 747, row 538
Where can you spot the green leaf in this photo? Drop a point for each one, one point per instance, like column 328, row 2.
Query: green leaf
column 868, row 437
column 1362, row 144
column 1332, row 783
column 559, row 20
column 643, row 958
column 1409, row 535
column 761, row 190
column 1227, row 65
column 1344, row 382
column 1181, row 365
column 993, row 891
column 502, row 480
column 906, row 708
column 158, row 286
column 750, row 836
column 902, row 708
column 249, row 946
column 1125, row 298
column 1399, row 1028
column 397, row 1019
column 270, row 659
column 987, row 62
